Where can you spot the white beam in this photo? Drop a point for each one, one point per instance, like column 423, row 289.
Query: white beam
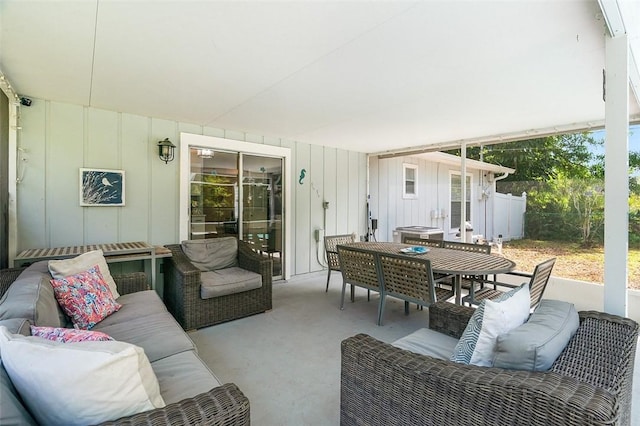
column 463, row 190
column 616, row 182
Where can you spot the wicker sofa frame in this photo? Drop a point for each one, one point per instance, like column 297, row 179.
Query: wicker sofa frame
column 589, row 384
column 223, row 405
column 182, row 290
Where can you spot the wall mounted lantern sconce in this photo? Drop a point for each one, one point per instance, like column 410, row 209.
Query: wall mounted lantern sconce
column 165, row 150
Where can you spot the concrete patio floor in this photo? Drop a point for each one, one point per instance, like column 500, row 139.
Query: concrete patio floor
column 287, row 361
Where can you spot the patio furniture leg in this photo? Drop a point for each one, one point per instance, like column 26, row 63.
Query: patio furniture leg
column 328, row 278
column 353, row 293
column 344, row 288
column 381, row 309
column 406, row 308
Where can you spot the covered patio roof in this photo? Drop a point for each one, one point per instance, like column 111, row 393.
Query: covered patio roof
column 367, row 76
column 378, row 77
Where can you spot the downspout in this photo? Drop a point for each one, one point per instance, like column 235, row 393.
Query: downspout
column 497, row 178
column 493, row 204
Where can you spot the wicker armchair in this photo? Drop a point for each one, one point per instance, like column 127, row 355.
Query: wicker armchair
column 589, row 384
column 182, row 290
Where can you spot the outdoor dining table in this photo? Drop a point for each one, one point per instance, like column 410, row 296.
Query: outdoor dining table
column 448, row 261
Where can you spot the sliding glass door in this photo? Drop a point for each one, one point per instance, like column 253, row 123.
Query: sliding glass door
column 238, row 194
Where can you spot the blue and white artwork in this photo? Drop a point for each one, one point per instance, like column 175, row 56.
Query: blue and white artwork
column 100, row 187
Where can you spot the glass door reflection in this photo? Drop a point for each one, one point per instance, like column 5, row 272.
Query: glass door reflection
column 262, row 206
column 213, row 193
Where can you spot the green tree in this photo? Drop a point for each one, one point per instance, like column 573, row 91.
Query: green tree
column 541, row 159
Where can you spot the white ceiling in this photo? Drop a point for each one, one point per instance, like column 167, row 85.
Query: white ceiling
column 369, row 76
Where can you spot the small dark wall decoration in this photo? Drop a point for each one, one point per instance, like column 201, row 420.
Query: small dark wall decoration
column 303, row 172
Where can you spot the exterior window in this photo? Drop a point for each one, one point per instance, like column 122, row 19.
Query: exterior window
column 410, row 180
column 456, row 191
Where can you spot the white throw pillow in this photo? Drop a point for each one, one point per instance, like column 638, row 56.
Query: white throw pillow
column 79, row 383
column 500, row 318
column 63, row 268
column 466, row 347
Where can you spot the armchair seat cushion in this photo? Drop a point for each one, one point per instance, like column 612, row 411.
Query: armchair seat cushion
column 428, row 342
column 228, row 281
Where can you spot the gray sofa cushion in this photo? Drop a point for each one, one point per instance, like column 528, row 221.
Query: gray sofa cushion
column 17, row 326
column 12, row 410
column 159, row 335
column 183, row 375
column 144, row 321
column 31, row 296
column 135, row 305
column 428, row 342
column 212, row 253
column 228, row 281
column 536, row 344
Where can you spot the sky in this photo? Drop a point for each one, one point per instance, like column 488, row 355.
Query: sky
column 634, row 138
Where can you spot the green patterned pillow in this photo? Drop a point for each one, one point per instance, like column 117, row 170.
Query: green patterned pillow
column 464, row 350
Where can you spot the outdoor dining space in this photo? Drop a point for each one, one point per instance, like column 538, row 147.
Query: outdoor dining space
column 493, row 350
column 426, row 271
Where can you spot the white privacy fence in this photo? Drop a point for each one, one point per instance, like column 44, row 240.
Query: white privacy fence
column 508, row 215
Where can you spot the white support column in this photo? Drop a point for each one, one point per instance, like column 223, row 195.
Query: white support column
column 14, row 169
column 463, row 190
column 616, row 182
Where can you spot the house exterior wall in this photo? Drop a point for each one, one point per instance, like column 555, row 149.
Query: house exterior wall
column 392, row 210
column 59, row 138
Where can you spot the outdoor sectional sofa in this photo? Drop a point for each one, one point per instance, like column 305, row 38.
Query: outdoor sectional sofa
column 192, row 393
column 588, row 384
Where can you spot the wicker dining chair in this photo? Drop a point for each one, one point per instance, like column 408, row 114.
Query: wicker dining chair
column 476, row 248
column 537, row 284
column 359, row 268
column 469, row 281
column 408, row 279
column 421, row 241
column 330, row 244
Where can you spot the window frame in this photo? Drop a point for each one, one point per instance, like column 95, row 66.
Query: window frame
column 414, row 169
column 469, row 199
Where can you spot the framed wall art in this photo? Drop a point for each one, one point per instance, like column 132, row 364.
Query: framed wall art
column 101, row 187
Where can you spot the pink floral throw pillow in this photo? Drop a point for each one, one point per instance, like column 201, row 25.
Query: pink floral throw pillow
column 85, row 297
column 69, row 335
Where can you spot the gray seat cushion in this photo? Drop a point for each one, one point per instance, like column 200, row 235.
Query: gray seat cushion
column 428, row 342
column 228, row 281
column 134, row 306
column 536, row 344
column 158, row 334
column 212, row 253
column 182, row 376
column 144, row 321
